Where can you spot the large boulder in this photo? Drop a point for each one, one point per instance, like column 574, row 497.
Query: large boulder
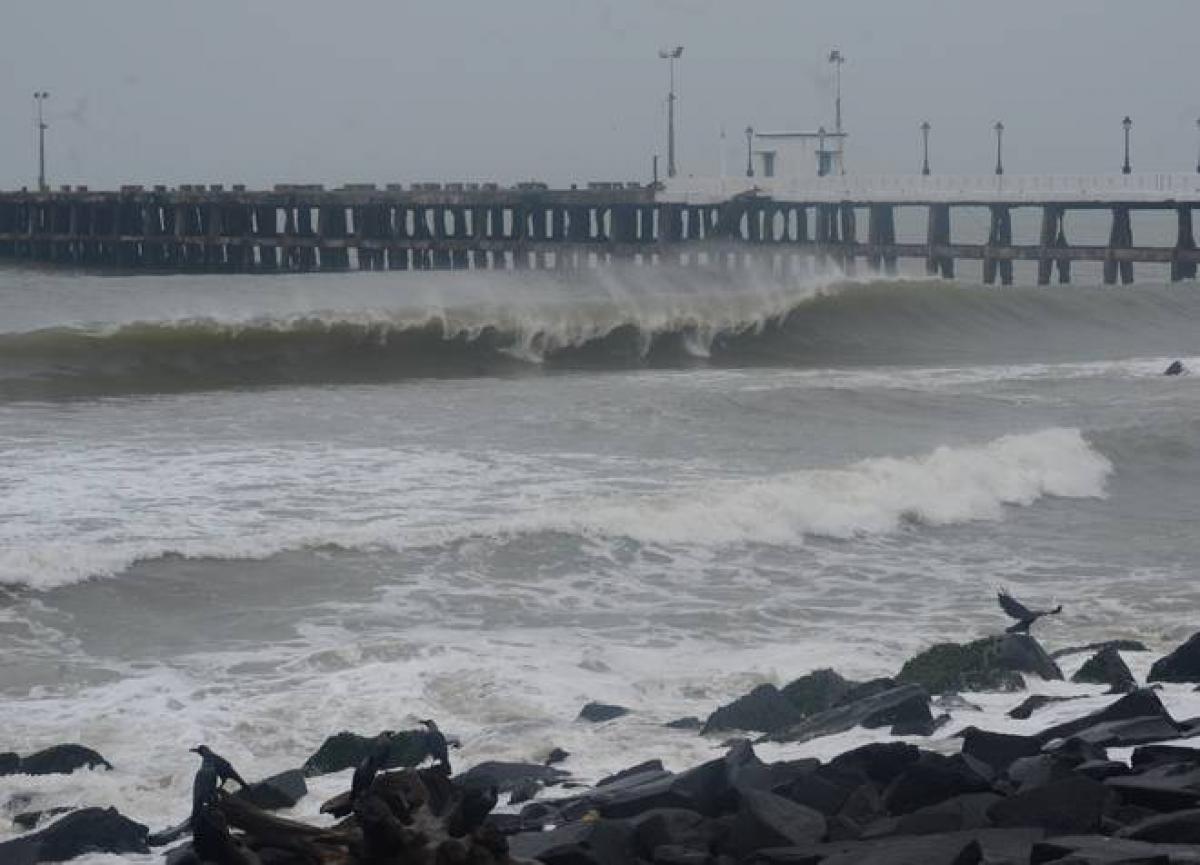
column 506, row 777
column 874, row 710
column 1165, row 787
column 1073, row 805
column 1107, row 668
column 1136, row 706
column 1119, row 645
column 766, row 820
column 1106, row 850
column 933, row 778
column 346, row 750
column 56, row 760
column 599, row 842
column 997, row 751
column 763, row 710
column 1182, row 665
column 88, row 830
column 1025, row 709
column 279, row 791
column 1181, row 827
column 817, row 691
column 988, row 664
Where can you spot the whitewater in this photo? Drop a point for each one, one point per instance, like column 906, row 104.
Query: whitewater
column 254, row 511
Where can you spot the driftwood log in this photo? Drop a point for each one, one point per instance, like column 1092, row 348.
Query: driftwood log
column 405, row 818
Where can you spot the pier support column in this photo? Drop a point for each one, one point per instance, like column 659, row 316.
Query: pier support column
column 1120, row 238
column 881, row 233
column 1053, row 237
column 1186, row 243
column 937, row 260
column 266, row 228
column 849, row 226
column 999, row 236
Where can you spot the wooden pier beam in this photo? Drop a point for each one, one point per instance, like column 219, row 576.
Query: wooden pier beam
column 1186, row 242
column 999, row 236
column 938, row 235
column 1119, row 238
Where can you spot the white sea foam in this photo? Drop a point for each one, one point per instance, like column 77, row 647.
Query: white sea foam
column 98, row 513
column 874, row 496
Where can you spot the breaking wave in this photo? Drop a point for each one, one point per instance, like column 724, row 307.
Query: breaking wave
column 949, row 486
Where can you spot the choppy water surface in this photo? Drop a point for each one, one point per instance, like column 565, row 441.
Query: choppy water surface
column 255, row 511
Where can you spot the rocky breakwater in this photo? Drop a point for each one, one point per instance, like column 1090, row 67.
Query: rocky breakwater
column 1116, row 782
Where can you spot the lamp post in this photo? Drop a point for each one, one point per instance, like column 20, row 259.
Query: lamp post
column 837, row 59
column 925, row 127
column 40, row 97
column 671, row 55
column 749, row 151
column 999, row 127
column 1198, row 147
column 821, row 172
column 1128, row 124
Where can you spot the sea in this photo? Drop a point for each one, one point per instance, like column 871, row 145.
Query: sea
column 254, row 510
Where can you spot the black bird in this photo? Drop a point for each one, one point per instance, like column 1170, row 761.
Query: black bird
column 436, row 742
column 223, row 768
column 375, row 760
column 1024, row 616
column 204, row 790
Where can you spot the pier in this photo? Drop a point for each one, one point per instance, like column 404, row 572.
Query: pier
column 786, row 225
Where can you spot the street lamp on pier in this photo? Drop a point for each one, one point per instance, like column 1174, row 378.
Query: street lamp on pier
column 671, row 55
column 925, row 127
column 999, row 127
column 822, row 159
column 1128, row 124
column 1198, row 147
column 749, row 151
column 40, row 97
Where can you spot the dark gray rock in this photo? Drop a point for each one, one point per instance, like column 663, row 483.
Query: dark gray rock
column 767, row 820
column 279, row 791
column 1103, row 850
column 671, row 827
column 997, row 751
column 1073, row 805
column 1165, row 787
column 951, row 849
column 650, row 766
column 1138, row 704
column 597, row 713
column 1182, row 665
column 1119, row 645
column 955, row 703
column 968, row 811
column 691, row 722
column 62, row 760
column 763, row 710
column 1031, row 704
column 602, row 842
column 989, row 664
column 1181, row 827
column 933, row 778
column 1126, row 734
column 710, row 789
column 817, row 792
column 1107, row 668
column 910, row 716
column 1102, row 770
column 817, row 691
column 10, row 763
column 869, row 688
column 879, row 762
column 1153, row 755
column 87, row 830
column 346, row 750
column 847, row 717
column 506, row 777
column 556, row 755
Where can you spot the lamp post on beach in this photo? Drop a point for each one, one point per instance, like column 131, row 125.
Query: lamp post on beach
column 1127, row 124
column 671, row 55
column 999, row 127
column 40, row 97
column 749, row 151
column 925, row 127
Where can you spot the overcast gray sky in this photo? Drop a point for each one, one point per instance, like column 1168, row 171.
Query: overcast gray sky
column 266, row 91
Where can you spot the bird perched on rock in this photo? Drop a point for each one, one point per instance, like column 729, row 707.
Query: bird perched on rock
column 1024, row 616
column 436, row 742
column 204, row 790
column 375, row 760
column 221, row 767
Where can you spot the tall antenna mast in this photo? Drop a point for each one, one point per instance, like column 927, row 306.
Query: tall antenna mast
column 837, row 59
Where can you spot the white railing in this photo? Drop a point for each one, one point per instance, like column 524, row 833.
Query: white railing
column 898, row 188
